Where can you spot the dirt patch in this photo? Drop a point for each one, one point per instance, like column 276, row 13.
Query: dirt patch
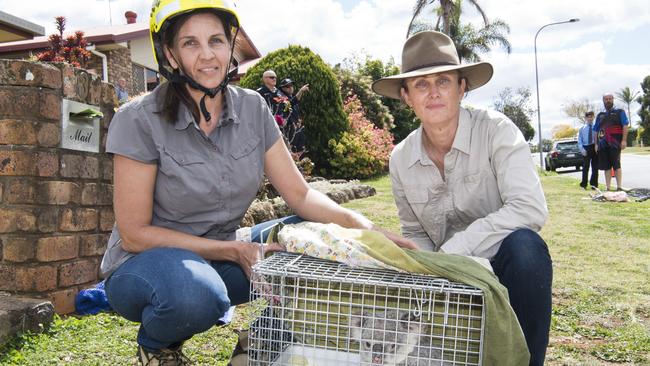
column 577, row 341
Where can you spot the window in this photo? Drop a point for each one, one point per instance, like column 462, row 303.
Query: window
column 144, row 79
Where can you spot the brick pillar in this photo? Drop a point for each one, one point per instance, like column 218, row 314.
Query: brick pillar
column 55, row 204
column 119, row 66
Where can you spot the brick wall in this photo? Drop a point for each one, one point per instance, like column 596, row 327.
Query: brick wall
column 55, row 204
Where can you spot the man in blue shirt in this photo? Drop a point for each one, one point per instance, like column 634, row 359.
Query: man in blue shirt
column 611, row 126
column 586, row 144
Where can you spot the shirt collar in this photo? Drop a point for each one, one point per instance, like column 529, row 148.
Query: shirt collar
column 417, row 152
column 464, row 132
column 184, row 117
column 461, row 141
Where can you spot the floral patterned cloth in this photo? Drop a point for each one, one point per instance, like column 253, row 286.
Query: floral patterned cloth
column 329, row 241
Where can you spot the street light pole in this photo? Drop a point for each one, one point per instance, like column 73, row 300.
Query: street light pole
column 539, row 112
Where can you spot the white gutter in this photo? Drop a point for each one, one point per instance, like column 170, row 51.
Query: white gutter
column 91, row 48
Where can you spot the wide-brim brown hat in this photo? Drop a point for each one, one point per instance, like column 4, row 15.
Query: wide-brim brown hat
column 428, row 53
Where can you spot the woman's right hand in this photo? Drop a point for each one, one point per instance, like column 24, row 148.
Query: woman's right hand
column 249, row 254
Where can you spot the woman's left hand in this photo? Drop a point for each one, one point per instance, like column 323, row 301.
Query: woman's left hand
column 399, row 240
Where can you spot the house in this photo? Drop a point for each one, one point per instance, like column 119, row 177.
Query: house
column 118, row 51
column 16, row 29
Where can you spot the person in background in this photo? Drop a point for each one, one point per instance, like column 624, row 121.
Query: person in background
column 611, row 126
column 189, row 158
column 586, row 143
column 464, row 183
column 120, row 90
column 291, row 128
column 276, row 100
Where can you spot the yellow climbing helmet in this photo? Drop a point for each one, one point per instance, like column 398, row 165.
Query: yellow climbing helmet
column 164, row 10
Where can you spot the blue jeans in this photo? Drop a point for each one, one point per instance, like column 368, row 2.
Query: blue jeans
column 523, row 265
column 174, row 293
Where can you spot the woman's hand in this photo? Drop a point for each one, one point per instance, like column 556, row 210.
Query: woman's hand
column 362, row 222
column 397, row 239
column 249, row 254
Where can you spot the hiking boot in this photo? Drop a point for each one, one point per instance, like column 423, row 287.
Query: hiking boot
column 163, row 357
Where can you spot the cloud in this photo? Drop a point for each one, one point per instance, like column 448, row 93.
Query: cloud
column 375, row 26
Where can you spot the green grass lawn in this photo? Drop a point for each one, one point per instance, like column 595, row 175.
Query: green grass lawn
column 601, row 292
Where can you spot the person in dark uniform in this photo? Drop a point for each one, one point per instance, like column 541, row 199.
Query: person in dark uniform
column 293, row 129
column 611, row 127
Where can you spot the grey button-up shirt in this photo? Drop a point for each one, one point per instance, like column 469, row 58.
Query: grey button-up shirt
column 204, row 184
column 490, row 188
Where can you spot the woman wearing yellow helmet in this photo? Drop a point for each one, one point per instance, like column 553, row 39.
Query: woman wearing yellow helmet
column 188, row 160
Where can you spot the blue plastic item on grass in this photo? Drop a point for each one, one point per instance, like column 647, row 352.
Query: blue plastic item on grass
column 92, row 300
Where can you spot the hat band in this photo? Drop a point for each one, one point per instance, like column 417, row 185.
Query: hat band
column 430, row 65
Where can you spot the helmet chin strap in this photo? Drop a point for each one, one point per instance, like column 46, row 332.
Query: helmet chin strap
column 208, row 92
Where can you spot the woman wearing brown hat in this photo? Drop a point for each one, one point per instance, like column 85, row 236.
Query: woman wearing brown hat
column 464, row 182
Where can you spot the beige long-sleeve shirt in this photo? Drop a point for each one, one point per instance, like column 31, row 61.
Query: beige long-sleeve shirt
column 490, row 187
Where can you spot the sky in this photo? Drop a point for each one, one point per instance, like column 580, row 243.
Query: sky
column 604, row 52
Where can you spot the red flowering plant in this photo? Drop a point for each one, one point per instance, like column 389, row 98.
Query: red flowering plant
column 364, row 150
column 71, row 49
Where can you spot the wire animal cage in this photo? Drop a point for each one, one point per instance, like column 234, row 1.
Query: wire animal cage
column 320, row 312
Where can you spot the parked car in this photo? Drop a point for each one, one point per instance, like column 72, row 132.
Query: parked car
column 565, row 153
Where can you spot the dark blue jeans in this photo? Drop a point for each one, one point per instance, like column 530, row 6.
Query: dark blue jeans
column 175, row 293
column 524, row 267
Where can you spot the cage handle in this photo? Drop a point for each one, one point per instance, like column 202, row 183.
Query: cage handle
column 292, row 263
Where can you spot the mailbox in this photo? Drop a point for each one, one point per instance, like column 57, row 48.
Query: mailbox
column 80, row 126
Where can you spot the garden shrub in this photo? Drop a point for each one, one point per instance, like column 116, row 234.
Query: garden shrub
column 404, row 119
column 631, row 137
column 362, row 152
column 321, row 108
column 359, row 85
column 644, row 136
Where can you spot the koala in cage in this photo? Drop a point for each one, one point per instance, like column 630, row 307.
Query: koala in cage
column 394, row 338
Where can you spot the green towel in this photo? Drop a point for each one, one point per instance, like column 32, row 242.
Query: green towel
column 504, row 343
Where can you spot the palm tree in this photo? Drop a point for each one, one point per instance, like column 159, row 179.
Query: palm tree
column 446, row 13
column 626, row 96
column 468, row 40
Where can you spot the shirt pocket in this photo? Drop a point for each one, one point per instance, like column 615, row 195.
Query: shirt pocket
column 247, row 169
column 246, row 148
column 181, row 159
column 186, row 185
column 428, row 205
column 418, row 198
column 473, row 195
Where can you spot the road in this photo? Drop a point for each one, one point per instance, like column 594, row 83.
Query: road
column 636, row 171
